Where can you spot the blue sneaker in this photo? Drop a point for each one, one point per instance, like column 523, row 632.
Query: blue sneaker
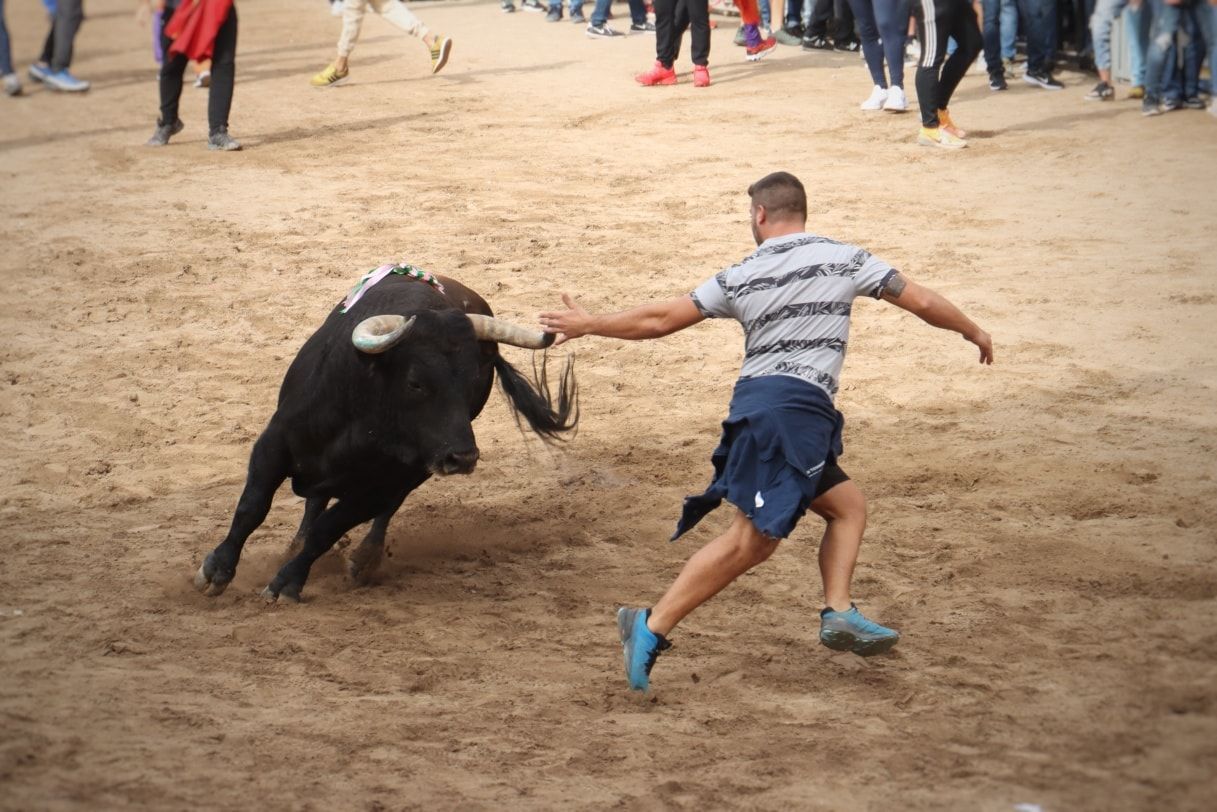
column 65, row 82
column 851, row 631
column 39, row 73
column 640, row 646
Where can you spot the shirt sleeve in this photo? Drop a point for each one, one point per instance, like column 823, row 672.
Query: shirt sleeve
column 710, row 298
column 873, row 276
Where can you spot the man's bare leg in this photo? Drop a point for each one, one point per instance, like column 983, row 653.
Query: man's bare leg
column 844, row 508
column 710, row 569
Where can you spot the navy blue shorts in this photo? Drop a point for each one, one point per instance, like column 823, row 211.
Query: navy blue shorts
column 778, row 452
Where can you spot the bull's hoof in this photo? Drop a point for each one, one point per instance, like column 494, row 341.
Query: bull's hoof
column 363, row 563
column 211, row 579
column 289, row 593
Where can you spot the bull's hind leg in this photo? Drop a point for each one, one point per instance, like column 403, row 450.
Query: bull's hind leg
column 268, row 467
column 326, row 530
column 364, row 560
column 313, row 508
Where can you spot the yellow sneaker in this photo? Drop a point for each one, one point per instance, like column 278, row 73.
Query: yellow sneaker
column 439, row 53
column 944, row 122
column 329, row 77
column 939, row 137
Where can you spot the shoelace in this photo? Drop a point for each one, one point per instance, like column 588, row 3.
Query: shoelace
column 662, row 646
column 868, row 626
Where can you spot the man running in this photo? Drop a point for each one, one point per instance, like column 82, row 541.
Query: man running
column 393, row 11
column 780, row 442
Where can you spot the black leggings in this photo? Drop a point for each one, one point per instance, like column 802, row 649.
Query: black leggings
column 668, row 33
column 223, row 71
column 936, row 82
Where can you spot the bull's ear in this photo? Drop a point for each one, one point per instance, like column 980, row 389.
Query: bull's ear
column 487, row 328
column 376, row 334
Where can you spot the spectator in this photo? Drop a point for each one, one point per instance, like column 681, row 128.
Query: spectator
column 600, row 29
column 881, row 25
column 393, row 11
column 838, row 11
column 211, row 34
column 1040, row 19
column 667, row 37
column 995, row 35
column 576, row 12
column 937, row 75
column 12, row 84
column 52, row 68
column 1168, row 17
column 1137, row 34
column 792, row 28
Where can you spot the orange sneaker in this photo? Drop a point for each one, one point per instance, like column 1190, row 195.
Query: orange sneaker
column 944, row 122
column 755, row 52
column 701, row 76
column 657, row 75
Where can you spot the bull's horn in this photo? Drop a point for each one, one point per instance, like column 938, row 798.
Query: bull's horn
column 379, row 333
column 491, row 329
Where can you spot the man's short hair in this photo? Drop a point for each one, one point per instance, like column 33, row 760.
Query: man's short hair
column 781, row 194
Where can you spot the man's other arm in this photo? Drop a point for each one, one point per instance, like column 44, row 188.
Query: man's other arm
column 935, row 310
column 653, row 320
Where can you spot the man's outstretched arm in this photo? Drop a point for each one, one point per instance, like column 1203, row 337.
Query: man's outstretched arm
column 653, row 320
column 934, row 309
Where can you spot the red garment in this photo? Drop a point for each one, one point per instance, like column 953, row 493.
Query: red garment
column 193, row 27
column 748, row 12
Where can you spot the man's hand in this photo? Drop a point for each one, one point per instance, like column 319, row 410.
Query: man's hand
column 570, row 323
column 981, row 339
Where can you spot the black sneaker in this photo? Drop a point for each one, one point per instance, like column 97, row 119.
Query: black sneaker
column 998, row 82
column 1101, row 92
column 163, row 133
column 816, row 44
column 532, row 5
column 554, row 15
column 850, row 45
column 577, row 17
column 642, row 28
column 1042, row 79
column 1149, row 107
column 1193, row 103
column 1170, row 105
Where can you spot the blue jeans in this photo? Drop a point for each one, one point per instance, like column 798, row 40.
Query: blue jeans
column 1206, row 22
column 1040, row 18
column 1167, row 20
column 993, row 33
column 638, row 11
column 1184, row 83
column 1009, row 27
column 1136, row 24
column 766, row 14
column 576, row 7
column 6, row 56
column 882, row 26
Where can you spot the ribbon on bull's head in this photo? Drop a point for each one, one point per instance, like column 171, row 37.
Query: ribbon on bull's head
column 376, row 274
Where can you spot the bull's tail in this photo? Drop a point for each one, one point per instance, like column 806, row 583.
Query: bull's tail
column 534, row 403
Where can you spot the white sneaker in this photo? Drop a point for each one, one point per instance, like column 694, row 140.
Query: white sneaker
column 875, row 102
column 896, row 102
column 336, row 7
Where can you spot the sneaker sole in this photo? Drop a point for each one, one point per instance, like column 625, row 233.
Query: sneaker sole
column 334, row 83
column 1035, row 82
column 927, row 142
column 844, row 641
column 887, row 109
column 757, row 57
column 445, row 50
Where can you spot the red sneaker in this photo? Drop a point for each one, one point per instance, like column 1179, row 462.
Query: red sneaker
column 659, row 75
column 701, row 76
column 759, row 51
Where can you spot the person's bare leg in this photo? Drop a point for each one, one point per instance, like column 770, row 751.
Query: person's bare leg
column 844, row 508
column 710, row 569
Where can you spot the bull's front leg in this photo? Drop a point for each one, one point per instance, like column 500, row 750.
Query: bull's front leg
column 339, row 518
column 313, row 507
column 269, row 464
column 365, row 559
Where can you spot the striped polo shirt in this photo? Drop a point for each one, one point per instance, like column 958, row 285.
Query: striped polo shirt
column 793, row 296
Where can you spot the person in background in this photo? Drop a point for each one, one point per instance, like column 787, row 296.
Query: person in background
column 1040, row 19
column 576, row 12
column 938, row 75
column 52, row 68
column 816, row 23
column 1136, row 24
column 599, row 28
column 667, row 41
column 792, row 29
column 206, row 29
column 994, row 35
column 756, row 45
column 881, row 26
column 12, row 82
column 392, row 11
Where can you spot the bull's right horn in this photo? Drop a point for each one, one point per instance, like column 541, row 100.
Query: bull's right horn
column 378, row 333
column 488, row 328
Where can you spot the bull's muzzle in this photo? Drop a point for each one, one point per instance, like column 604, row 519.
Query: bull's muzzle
column 458, row 462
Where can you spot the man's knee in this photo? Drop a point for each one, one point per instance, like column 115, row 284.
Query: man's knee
column 843, row 502
column 751, row 545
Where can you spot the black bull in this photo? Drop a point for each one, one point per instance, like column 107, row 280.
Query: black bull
column 363, row 427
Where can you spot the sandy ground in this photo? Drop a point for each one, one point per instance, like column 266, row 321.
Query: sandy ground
column 1043, row 531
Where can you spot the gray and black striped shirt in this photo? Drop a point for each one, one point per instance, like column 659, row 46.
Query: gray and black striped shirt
column 793, row 296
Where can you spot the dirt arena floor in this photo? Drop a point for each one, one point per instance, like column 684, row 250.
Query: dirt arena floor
column 1043, row 532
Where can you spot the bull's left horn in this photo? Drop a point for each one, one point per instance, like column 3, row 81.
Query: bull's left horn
column 492, row 329
column 379, row 333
